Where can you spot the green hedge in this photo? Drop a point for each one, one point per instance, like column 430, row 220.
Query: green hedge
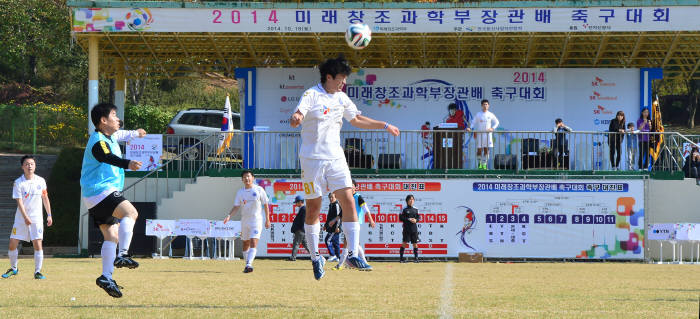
column 153, row 119
column 64, row 193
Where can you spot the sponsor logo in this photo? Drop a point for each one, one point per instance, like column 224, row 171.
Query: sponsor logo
column 601, row 110
column 599, row 97
column 325, row 110
column 601, row 122
column 291, row 87
column 600, row 82
column 289, row 98
column 286, row 110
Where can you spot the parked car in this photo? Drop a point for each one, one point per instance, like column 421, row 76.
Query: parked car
column 190, row 126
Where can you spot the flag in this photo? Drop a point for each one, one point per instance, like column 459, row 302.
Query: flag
column 226, row 126
column 656, row 126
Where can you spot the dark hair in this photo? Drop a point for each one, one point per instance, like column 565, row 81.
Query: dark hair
column 99, row 111
column 557, row 121
column 630, row 124
column 333, row 67
column 409, row 196
column 26, row 157
column 427, row 123
column 641, row 114
column 354, row 182
column 484, row 100
column 452, row 106
column 247, row 172
column 623, row 116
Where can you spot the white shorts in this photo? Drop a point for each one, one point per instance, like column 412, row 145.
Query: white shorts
column 322, row 176
column 251, row 230
column 25, row 232
column 483, row 140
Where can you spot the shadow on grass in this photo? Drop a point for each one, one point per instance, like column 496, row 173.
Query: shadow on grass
column 189, row 271
column 178, row 306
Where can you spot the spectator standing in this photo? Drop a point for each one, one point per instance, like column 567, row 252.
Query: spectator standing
column 691, row 167
column 298, row 227
column 561, row 143
column 409, row 216
column 644, row 126
column 632, row 138
column 333, row 228
column 615, row 137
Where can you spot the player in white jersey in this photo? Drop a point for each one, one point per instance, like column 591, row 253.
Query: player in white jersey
column 484, row 121
column 323, row 167
column 250, row 201
column 30, row 192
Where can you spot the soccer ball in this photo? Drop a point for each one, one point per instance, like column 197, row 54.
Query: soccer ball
column 358, row 36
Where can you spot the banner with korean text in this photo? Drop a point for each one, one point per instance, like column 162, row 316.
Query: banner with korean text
column 385, row 20
column 587, row 219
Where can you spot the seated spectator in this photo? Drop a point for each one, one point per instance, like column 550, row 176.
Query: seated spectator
column 561, row 143
column 691, row 168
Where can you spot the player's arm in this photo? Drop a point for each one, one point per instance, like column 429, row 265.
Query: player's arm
column 232, row 213
column 368, row 213
column 20, row 205
column 47, row 206
column 494, row 124
column 417, row 218
column 123, row 135
column 402, row 216
column 103, row 154
column 267, row 215
column 304, row 106
column 361, row 121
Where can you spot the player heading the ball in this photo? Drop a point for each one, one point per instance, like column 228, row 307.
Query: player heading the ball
column 323, row 167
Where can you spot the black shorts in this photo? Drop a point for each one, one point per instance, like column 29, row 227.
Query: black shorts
column 102, row 212
column 410, row 236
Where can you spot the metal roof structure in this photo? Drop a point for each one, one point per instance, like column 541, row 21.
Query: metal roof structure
column 186, row 54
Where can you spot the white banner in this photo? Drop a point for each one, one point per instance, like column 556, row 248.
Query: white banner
column 192, row 227
column 438, row 20
column 588, row 219
column 231, row 229
column 160, row 227
column 147, row 150
column 661, row 231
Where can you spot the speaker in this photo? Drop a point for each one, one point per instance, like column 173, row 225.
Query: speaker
column 530, row 146
column 140, row 243
column 353, row 143
column 390, row 161
column 505, row 161
column 358, row 160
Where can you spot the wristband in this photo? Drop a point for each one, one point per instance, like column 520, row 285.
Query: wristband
column 386, row 124
column 48, row 215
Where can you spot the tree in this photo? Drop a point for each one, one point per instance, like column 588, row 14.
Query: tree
column 693, row 100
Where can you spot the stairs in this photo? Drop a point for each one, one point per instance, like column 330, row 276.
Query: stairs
column 9, row 171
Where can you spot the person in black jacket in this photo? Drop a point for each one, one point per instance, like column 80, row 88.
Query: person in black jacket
column 615, row 137
column 333, row 228
column 298, row 227
column 409, row 216
column 691, row 167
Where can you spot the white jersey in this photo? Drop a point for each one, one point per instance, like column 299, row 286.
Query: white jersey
column 484, row 121
column 323, row 117
column 251, row 202
column 30, row 191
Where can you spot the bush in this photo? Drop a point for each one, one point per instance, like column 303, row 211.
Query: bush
column 150, row 118
column 64, row 193
column 56, row 124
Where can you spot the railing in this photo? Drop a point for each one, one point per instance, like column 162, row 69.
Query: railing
column 441, row 150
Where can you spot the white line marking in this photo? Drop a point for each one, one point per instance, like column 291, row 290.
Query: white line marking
column 446, row 294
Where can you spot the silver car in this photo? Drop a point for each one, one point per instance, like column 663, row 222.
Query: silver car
column 188, row 127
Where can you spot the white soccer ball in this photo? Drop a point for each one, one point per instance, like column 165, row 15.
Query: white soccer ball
column 358, row 36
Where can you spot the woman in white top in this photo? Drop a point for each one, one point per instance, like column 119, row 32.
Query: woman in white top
column 484, row 121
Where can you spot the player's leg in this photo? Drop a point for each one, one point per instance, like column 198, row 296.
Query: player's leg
column 256, row 229
column 295, row 245
column 127, row 214
column 328, row 246
column 36, row 232
column 312, row 229
column 404, row 245
column 251, row 252
column 110, row 232
column 13, row 254
column 335, row 243
column 245, row 236
column 414, row 241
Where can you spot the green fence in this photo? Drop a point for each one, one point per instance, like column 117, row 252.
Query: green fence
column 26, row 127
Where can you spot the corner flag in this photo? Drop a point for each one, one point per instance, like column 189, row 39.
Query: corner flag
column 226, row 128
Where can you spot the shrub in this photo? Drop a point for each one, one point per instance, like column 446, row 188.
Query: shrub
column 64, row 193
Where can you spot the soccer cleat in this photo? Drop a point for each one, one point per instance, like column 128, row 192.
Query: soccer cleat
column 403, row 260
column 318, row 267
column 358, row 263
column 38, row 275
column 415, row 260
column 110, row 286
column 10, row 272
column 125, row 261
column 337, row 267
column 332, row 259
column 247, row 269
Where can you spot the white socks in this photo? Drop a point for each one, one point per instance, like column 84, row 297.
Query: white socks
column 109, row 252
column 312, row 233
column 13, row 258
column 245, row 256
column 126, row 231
column 250, row 256
column 352, row 235
column 38, row 260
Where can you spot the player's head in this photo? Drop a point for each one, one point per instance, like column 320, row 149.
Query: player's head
column 354, row 186
column 247, row 177
column 410, row 200
column 485, row 105
column 452, row 108
column 104, row 117
column 331, row 197
column 28, row 164
column 334, row 72
column 299, row 201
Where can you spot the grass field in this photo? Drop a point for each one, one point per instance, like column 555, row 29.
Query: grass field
column 179, row 288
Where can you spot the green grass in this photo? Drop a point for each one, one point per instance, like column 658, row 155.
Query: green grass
column 179, row 288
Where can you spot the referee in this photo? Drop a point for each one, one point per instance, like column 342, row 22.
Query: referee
column 409, row 216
